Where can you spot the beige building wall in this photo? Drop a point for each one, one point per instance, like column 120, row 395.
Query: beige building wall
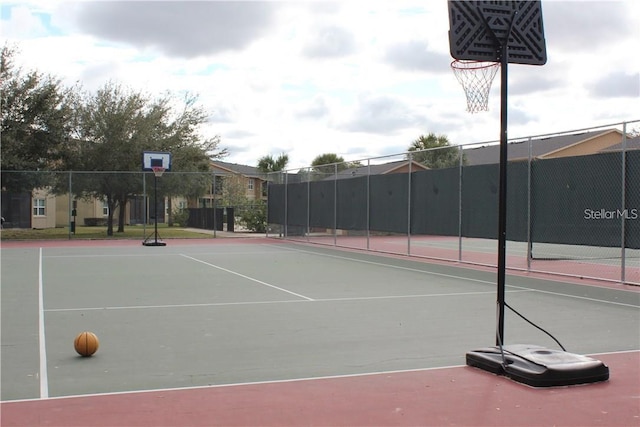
column 587, row 146
column 48, row 218
column 92, row 208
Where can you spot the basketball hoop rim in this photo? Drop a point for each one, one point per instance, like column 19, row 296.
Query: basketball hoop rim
column 462, row 64
column 157, row 170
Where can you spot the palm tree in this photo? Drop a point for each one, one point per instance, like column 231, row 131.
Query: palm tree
column 435, row 151
column 268, row 164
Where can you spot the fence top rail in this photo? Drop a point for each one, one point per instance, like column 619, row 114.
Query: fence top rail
column 405, row 155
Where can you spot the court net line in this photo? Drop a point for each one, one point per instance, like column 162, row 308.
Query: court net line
column 246, row 277
column 217, row 304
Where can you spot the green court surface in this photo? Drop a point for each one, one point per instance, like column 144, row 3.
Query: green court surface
column 251, row 310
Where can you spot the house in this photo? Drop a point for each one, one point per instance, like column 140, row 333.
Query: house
column 630, row 144
column 578, row 144
column 317, row 173
column 399, row 166
column 249, row 178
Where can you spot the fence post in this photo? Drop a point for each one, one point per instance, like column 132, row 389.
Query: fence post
column 409, row 207
column 529, row 242
column 286, row 213
column 460, row 168
column 308, row 175
column 368, row 203
column 70, row 210
column 335, row 204
column 213, row 205
column 145, row 207
column 623, row 218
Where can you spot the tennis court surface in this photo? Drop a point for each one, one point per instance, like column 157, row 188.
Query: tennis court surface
column 264, row 332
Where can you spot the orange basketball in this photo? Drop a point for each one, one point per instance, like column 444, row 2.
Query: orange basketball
column 86, row 343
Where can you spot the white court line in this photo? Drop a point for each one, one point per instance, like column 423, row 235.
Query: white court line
column 44, row 380
column 452, row 276
column 246, row 277
column 125, row 255
column 267, row 382
column 222, row 304
column 584, row 298
column 397, row 267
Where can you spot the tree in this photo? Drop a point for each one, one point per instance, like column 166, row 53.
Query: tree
column 328, row 163
column 116, row 125
column 37, row 120
column 191, row 153
column 268, row 164
column 434, row 151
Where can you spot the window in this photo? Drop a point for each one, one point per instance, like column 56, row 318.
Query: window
column 105, row 208
column 219, row 185
column 39, row 207
column 251, row 184
column 205, row 202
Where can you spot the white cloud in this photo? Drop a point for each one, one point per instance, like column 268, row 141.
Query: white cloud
column 329, row 42
column 617, row 84
column 350, row 77
column 381, row 114
column 182, row 29
column 415, row 55
column 24, row 23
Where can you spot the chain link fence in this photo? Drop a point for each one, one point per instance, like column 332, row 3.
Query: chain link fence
column 573, row 204
column 107, row 203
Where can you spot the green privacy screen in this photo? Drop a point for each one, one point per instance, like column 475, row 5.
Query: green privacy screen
column 573, row 200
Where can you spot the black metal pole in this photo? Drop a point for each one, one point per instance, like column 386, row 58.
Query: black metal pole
column 155, row 209
column 502, row 195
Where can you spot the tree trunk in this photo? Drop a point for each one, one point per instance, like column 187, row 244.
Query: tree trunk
column 122, row 204
column 111, row 205
column 170, row 212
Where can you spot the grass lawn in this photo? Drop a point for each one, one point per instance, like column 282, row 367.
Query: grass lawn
column 82, row 232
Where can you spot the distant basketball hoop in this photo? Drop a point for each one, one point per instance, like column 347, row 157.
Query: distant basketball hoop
column 158, row 163
column 476, row 78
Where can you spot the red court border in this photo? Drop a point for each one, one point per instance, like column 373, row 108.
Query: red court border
column 460, row 396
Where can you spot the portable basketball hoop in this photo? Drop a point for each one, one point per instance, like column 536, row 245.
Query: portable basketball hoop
column 485, row 36
column 157, row 171
column 476, row 78
column 158, row 163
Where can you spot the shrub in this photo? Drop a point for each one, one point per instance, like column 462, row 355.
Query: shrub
column 254, row 217
column 181, row 216
column 95, row 222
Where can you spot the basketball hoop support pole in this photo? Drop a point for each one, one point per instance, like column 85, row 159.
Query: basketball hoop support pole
column 155, row 208
column 502, row 195
column 155, row 216
column 530, row 364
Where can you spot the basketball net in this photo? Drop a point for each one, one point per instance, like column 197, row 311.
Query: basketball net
column 157, row 171
column 476, row 78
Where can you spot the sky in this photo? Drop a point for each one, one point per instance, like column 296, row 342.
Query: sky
column 358, row 78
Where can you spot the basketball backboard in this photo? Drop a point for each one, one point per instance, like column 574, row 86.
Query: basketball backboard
column 479, row 29
column 151, row 159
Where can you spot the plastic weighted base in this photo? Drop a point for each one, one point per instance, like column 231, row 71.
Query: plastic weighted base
column 538, row 366
column 154, row 243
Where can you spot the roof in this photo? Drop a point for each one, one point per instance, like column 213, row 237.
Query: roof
column 631, row 144
column 520, row 150
column 248, row 171
column 377, row 169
